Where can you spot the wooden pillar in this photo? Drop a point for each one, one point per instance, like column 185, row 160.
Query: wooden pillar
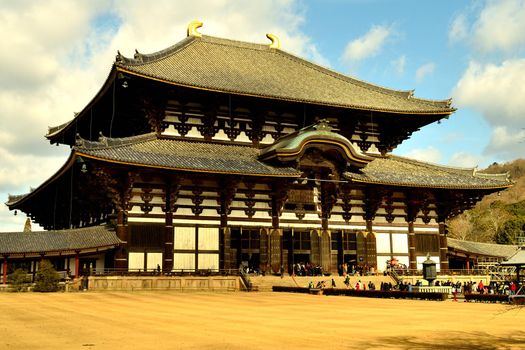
column 121, row 254
column 325, row 250
column 276, row 254
column 443, row 247
column 225, row 239
column 276, row 234
column 4, row 270
column 369, row 251
column 412, row 260
column 167, row 256
column 468, row 264
column 264, row 250
column 77, row 264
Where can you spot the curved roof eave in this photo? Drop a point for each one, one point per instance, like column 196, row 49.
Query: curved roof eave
column 450, row 187
column 57, row 130
column 189, row 170
column 443, row 113
column 67, row 165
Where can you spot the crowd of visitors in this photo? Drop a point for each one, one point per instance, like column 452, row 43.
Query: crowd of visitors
column 355, row 270
column 306, row 269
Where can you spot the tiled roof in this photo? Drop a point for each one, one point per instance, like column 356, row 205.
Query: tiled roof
column 176, row 154
column 399, row 171
column 57, row 241
column 487, row 249
column 229, row 66
column 517, row 259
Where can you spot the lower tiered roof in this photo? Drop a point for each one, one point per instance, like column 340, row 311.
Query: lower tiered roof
column 58, row 241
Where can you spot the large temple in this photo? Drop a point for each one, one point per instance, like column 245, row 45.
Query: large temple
column 214, row 153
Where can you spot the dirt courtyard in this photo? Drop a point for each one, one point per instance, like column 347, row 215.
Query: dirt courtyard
column 171, row 320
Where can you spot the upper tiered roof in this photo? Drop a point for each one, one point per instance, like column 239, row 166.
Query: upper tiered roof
column 243, row 68
column 219, row 65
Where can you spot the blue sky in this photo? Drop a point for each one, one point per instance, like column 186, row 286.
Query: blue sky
column 56, row 54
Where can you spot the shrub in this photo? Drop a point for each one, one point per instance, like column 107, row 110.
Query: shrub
column 18, row 281
column 46, row 279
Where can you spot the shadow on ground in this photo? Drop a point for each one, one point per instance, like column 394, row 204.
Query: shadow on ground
column 454, row 341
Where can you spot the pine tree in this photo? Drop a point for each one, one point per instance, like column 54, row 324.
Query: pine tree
column 46, row 279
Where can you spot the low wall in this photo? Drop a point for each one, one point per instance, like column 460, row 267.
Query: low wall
column 183, row 284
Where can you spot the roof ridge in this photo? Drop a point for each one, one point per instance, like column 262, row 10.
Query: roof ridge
column 484, row 243
column 142, row 58
column 111, row 142
column 469, row 171
column 403, row 94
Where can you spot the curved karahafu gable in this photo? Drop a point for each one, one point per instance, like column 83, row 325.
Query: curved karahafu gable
column 293, row 146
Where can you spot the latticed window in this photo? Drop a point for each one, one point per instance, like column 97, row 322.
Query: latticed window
column 349, row 241
column 301, row 240
column 250, row 239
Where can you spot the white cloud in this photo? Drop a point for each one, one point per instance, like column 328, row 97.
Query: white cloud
column 466, row 160
column 399, row 64
column 500, row 26
column 496, row 91
column 424, row 70
column 507, row 143
column 368, row 45
column 429, row 154
column 458, row 29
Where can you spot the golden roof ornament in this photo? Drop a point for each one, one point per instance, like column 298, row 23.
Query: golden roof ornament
column 276, row 43
column 192, row 28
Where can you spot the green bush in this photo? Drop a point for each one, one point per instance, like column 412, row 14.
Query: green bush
column 46, row 279
column 18, row 281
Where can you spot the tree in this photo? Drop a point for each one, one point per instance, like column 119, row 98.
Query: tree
column 46, row 279
column 18, row 281
column 510, row 231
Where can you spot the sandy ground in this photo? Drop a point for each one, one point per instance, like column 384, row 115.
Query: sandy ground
column 167, row 320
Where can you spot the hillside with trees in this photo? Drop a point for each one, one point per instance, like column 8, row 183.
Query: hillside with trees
column 499, row 217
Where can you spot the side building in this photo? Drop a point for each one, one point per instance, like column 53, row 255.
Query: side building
column 214, row 153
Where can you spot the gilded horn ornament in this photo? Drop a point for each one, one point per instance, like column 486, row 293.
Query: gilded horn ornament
column 192, row 28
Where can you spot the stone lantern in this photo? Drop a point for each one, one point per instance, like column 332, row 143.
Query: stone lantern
column 429, row 270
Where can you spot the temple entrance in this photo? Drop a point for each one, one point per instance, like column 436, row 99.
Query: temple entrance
column 252, row 261
column 351, row 262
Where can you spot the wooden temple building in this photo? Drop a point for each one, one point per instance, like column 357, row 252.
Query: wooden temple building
column 214, row 153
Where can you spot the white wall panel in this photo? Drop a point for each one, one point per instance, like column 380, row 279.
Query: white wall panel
column 399, row 243
column 153, row 260
column 209, row 261
column 136, row 261
column 183, row 261
column 383, row 243
column 184, row 238
column 208, row 239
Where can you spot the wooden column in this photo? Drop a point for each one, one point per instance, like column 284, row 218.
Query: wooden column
column 227, row 190
column 167, row 256
column 4, row 270
column 264, row 250
column 121, row 253
column 443, row 247
column 369, row 233
column 77, row 264
column 412, row 260
column 276, row 234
